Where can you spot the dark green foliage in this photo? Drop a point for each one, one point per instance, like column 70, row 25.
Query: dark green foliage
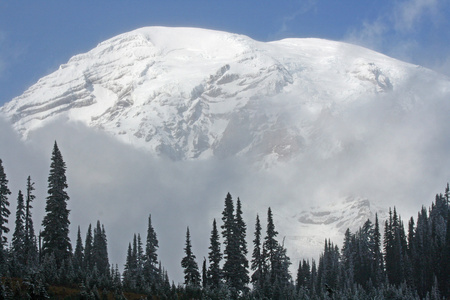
column 258, row 264
column 229, row 241
column 235, row 268
column 30, row 247
column 18, row 239
column 4, row 211
column 215, row 256
column 56, row 222
column 409, row 266
column 150, row 262
column 88, row 261
column 100, row 251
column 188, row 263
column 241, row 277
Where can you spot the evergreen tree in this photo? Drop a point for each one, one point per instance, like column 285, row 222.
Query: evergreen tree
column 18, row 239
column 347, row 259
column 378, row 265
column 240, row 277
column 140, row 281
column 151, row 273
column 78, row 255
column 31, row 251
column 204, row 274
column 100, row 250
column 56, row 222
column 271, row 246
column 229, row 241
column 4, row 211
column 445, row 264
column 215, row 257
column 129, row 272
column 88, row 262
column 257, row 258
column 188, row 263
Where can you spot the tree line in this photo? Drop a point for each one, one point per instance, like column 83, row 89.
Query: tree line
column 412, row 264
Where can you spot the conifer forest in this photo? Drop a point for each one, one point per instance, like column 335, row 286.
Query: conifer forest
column 408, row 259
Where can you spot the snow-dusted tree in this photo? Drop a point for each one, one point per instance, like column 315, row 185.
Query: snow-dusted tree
column 241, row 278
column 151, row 274
column 31, row 251
column 188, row 263
column 78, row 255
column 215, row 257
column 4, row 211
column 18, row 239
column 100, row 250
column 271, row 245
column 257, row 258
column 56, row 222
column 88, row 262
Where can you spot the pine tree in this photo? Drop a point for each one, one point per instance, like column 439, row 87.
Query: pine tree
column 56, row 222
column 378, row 265
column 78, row 255
column 100, row 250
column 204, row 274
column 188, row 263
column 140, row 281
column 88, row 262
column 18, row 239
column 271, row 245
column 215, row 257
column 348, row 257
column 241, row 278
column 229, row 240
column 151, row 257
column 257, row 258
column 4, row 211
column 31, row 251
column 129, row 278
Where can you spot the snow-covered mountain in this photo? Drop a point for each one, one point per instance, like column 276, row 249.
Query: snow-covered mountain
column 192, row 93
column 331, row 132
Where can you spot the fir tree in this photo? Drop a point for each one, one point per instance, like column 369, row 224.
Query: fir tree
column 151, row 257
column 31, row 251
column 188, row 263
column 229, row 240
column 378, row 265
column 215, row 257
column 204, row 274
column 100, row 250
column 78, row 255
column 88, row 262
column 271, row 245
column 140, row 281
column 241, row 278
column 56, row 222
column 18, row 239
column 257, row 258
column 129, row 278
column 4, row 211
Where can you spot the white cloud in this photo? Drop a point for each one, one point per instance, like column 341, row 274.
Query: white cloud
column 408, row 14
column 286, row 27
column 397, row 32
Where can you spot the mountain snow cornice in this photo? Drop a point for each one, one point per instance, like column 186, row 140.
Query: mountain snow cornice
column 193, row 93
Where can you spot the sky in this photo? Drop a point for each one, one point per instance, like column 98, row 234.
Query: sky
column 38, row 36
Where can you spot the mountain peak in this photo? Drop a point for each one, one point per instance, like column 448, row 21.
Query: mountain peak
column 190, row 93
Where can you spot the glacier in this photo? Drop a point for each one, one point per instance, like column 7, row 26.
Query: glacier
column 167, row 120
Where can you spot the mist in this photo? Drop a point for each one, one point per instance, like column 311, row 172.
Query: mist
column 391, row 149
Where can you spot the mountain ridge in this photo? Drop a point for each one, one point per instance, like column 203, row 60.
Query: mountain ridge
column 183, row 92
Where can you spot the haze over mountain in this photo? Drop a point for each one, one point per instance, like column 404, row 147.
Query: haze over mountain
column 167, row 120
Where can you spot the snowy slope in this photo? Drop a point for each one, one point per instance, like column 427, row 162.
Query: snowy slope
column 320, row 120
column 192, row 93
